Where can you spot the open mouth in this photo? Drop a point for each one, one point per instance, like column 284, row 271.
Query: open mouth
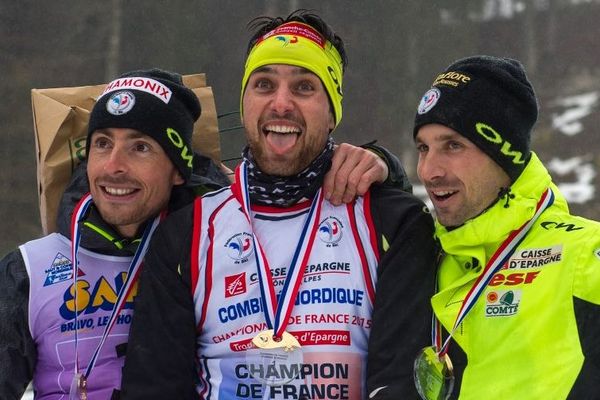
column 442, row 195
column 281, row 129
column 118, row 192
column 281, row 138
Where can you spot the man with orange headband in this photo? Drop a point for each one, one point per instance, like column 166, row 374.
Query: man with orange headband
column 265, row 289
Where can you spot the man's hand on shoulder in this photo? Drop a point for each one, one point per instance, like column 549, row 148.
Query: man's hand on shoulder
column 353, row 171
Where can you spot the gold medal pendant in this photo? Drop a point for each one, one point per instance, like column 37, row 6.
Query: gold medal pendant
column 274, row 361
column 434, row 376
column 267, row 340
column 78, row 390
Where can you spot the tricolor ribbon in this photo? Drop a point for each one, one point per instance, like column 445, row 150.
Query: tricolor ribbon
column 276, row 311
column 498, row 259
column 134, row 268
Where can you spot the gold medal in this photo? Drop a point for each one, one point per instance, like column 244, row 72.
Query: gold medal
column 267, row 340
column 274, row 361
column 434, row 376
column 78, row 390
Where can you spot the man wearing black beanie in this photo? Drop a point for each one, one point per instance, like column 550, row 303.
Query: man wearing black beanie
column 139, row 157
column 518, row 288
column 140, row 166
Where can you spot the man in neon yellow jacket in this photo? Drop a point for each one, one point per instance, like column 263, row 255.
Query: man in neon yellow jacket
column 518, row 286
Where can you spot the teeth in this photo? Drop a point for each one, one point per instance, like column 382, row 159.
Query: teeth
column 118, row 191
column 282, row 129
column 443, row 193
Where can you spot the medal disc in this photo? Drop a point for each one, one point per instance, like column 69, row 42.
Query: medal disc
column 274, row 361
column 78, row 388
column 434, row 377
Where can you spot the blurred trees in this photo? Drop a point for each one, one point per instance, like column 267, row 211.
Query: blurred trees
column 395, row 50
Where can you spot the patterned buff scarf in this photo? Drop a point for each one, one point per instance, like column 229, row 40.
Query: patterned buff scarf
column 284, row 191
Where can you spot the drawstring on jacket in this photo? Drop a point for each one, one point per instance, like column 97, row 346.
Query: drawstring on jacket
column 505, row 192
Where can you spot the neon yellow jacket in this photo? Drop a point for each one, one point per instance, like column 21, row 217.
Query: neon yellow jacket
column 522, row 338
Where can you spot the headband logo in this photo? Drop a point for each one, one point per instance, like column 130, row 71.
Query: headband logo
column 120, row 103
column 428, row 101
column 287, row 41
column 335, row 80
column 295, row 29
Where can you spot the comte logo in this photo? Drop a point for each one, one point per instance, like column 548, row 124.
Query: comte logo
column 501, row 303
column 235, row 284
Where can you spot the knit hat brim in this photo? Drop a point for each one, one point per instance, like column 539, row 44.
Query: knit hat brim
column 156, row 103
column 488, row 100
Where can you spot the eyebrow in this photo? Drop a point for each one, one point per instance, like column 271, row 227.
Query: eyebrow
column 442, row 137
column 448, row 136
column 132, row 134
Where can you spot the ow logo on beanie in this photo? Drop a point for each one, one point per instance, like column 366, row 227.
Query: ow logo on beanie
column 186, row 154
column 491, row 135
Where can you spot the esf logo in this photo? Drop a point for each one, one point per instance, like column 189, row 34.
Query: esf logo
column 513, row 279
column 502, row 303
column 330, row 231
column 239, row 247
column 102, row 296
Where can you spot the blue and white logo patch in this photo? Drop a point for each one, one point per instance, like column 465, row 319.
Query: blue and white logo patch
column 331, row 231
column 61, row 270
column 429, row 100
column 239, row 247
column 120, row 103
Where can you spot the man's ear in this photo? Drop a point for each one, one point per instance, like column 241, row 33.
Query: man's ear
column 177, row 178
column 331, row 121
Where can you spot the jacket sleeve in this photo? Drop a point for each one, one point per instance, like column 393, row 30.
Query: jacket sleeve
column 161, row 352
column 397, row 176
column 17, row 348
column 402, row 313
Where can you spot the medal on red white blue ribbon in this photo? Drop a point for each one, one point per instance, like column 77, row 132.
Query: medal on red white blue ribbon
column 276, row 358
column 78, row 389
column 434, row 376
column 433, row 371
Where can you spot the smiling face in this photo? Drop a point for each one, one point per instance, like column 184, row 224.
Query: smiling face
column 130, row 177
column 287, row 117
column 461, row 180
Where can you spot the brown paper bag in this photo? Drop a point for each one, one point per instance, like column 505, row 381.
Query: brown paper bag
column 60, row 117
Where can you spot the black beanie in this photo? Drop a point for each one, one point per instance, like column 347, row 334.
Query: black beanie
column 156, row 103
column 488, row 100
